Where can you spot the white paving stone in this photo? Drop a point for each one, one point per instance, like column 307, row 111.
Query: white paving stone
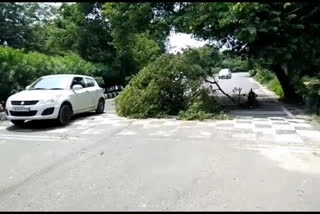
column 127, row 133
column 245, row 136
column 282, row 127
column 288, row 138
column 243, row 126
column 63, row 130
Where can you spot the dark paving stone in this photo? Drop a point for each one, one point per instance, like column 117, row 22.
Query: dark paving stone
column 305, row 128
column 243, row 121
column 244, row 130
column 277, row 119
column 157, row 122
column 285, row 131
column 299, row 122
column 262, row 126
column 280, row 123
column 225, row 125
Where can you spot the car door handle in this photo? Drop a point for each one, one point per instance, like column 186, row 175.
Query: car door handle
column 87, row 91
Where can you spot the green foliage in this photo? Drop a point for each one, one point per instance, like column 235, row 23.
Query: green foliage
column 279, row 33
column 81, row 29
column 18, row 69
column 157, row 90
column 267, row 78
column 144, row 49
column 235, row 63
column 17, row 19
column 138, row 32
column 274, row 85
column 310, row 87
column 202, row 106
column 169, row 85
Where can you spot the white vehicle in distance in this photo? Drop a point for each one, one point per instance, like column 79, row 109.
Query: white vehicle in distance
column 224, row 74
column 55, row 97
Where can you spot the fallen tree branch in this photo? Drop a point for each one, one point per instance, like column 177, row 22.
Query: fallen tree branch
column 219, row 88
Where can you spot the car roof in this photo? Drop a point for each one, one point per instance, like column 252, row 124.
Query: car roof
column 225, row 70
column 67, row 75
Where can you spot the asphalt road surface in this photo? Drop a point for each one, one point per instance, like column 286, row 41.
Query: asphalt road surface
column 104, row 162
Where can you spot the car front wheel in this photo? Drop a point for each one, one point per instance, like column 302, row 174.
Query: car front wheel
column 65, row 114
column 18, row 123
column 100, row 107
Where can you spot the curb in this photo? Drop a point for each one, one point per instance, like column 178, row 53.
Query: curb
column 3, row 116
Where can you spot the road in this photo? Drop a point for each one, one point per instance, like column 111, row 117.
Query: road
column 105, row 162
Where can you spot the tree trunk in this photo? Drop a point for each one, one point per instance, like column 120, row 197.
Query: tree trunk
column 287, row 87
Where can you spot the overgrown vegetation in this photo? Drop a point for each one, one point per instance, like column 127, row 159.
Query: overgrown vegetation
column 171, row 86
column 18, row 69
column 269, row 79
column 119, row 40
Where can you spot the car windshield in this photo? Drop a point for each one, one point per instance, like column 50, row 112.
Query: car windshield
column 51, row 83
column 224, row 71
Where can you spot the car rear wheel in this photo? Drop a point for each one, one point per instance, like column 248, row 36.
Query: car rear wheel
column 18, row 123
column 65, row 114
column 100, row 107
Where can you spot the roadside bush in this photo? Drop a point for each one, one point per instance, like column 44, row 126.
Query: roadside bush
column 310, row 87
column 18, row 69
column 274, row 85
column 155, row 91
column 269, row 79
column 170, row 86
column 201, row 106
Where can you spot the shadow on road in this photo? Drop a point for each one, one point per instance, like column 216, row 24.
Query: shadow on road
column 47, row 125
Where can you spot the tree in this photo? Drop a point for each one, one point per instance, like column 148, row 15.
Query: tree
column 17, row 20
column 282, row 34
column 128, row 21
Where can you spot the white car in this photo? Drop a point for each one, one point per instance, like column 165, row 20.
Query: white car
column 55, row 97
column 224, row 74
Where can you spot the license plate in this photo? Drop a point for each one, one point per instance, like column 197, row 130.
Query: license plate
column 21, row 108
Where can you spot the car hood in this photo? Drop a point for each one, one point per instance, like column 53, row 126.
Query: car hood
column 37, row 94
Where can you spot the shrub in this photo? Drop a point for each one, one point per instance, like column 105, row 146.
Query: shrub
column 170, row 86
column 266, row 77
column 18, row 69
column 155, row 91
column 201, row 106
column 274, row 85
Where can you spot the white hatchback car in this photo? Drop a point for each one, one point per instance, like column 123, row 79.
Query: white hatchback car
column 55, row 97
column 224, row 74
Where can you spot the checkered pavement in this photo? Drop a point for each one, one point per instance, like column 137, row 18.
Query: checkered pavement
column 251, row 129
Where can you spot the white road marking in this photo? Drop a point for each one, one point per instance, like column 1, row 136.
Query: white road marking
column 286, row 111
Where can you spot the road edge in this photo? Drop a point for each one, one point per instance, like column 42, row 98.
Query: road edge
column 273, row 95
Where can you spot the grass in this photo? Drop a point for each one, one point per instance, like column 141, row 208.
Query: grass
column 268, row 79
column 274, row 85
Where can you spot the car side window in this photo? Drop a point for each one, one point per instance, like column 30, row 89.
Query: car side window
column 78, row 81
column 90, row 82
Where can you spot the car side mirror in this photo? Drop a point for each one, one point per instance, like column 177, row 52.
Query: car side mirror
column 77, row 87
column 27, row 87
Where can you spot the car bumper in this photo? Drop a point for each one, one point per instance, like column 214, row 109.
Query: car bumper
column 36, row 112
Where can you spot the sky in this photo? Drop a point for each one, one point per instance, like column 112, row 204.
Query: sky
column 178, row 41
